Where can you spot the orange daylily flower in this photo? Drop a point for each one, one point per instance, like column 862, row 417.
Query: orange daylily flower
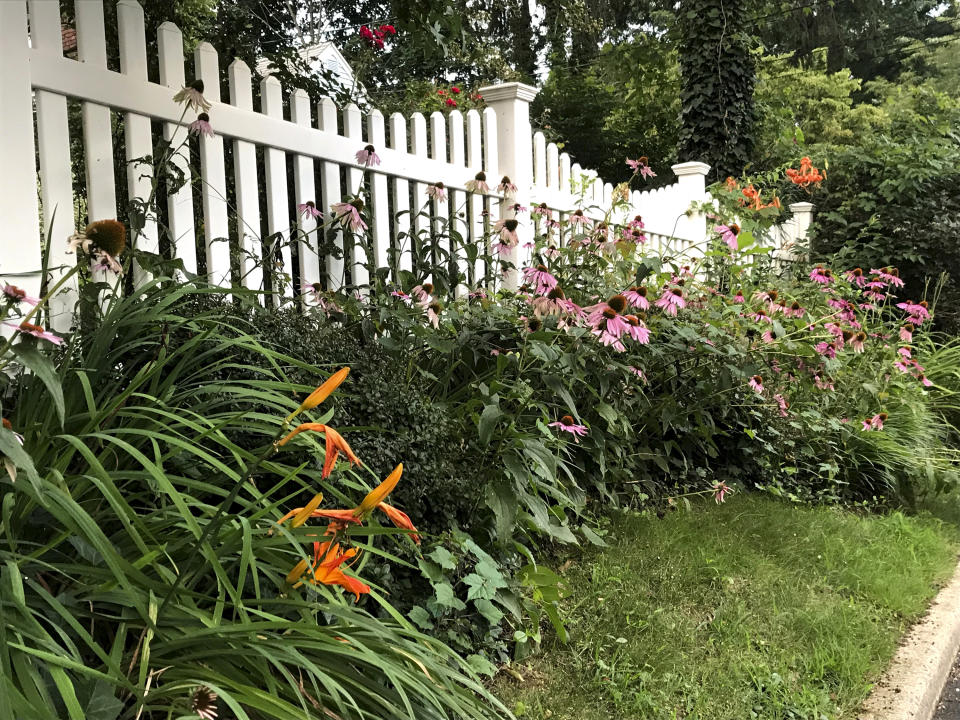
column 321, row 393
column 327, row 561
column 400, row 519
column 335, row 444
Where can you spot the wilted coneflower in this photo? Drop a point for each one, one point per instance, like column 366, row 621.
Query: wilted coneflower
column 568, row 424
column 889, row 274
column 906, row 332
column 367, row 156
column 347, row 214
column 192, row 95
column 203, row 702
column 507, row 230
column 756, row 382
column 578, row 218
column 795, row 310
column 720, row 491
column 782, row 403
column 534, row 324
column 201, row 126
column 309, row 209
column 437, row 191
column 506, row 186
column 541, row 211
column 478, row 184
column 433, row 313
column 857, row 341
column 637, row 297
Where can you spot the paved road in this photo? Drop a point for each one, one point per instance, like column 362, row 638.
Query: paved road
column 949, row 706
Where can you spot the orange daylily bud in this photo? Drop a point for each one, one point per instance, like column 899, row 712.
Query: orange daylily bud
column 323, row 392
column 377, row 495
column 400, row 519
column 298, row 570
column 305, row 512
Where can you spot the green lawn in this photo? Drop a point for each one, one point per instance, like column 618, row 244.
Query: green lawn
column 753, row 609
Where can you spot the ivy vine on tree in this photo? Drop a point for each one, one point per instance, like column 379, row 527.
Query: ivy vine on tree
column 717, row 114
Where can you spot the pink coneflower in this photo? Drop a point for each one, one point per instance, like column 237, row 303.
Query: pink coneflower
column 876, row 284
column 795, row 310
column 918, row 311
column 637, row 222
column 760, row 316
column 875, row 422
column 782, row 403
column 517, row 208
column 506, row 186
column 507, row 230
column 309, row 209
column 728, row 233
column 201, row 126
column 638, row 372
column 637, row 297
column 192, row 96
column 578, row 218
column 606, row 318
column 314, row 289
column 768, row 296
column 367, row 156
column 890, row 274
column 103, row 260
column 554, row 302
column 37, row 331
column 856, row 277
column 347, row 214
column 637, row 329
column 402, row 295
column 634, row 235
column 478, row 184
column 540, row 278
column 904, row 352
column 738, row 298
column 906, row 332
column 856, row 342
column 756, row 382
column 600, row 232
column 203, row 703
column 720, row 491
column 16, row 295
column 924, row 380
column 821, row 275
column 874, row 295
column 767, row 337
column 437, row 191
column 568, row 424
column 821, row 382
column 422, row 294
column 541, row 211
column 671, row 300
column 640, row 165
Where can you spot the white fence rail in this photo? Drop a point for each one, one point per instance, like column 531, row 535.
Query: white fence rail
column 287, row 136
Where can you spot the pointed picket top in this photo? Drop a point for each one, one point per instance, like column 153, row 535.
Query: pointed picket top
column 438, row 136
column 241, row 85
column 207, row 64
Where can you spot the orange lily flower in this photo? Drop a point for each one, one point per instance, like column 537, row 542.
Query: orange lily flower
column 400, row 519
column 334, row 441
column 321, row 393
column 327, row 571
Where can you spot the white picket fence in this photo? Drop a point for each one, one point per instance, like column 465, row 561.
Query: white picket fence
column 37, row 82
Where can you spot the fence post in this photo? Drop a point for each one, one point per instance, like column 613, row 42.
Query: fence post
column 692, row 184
column 802, row 216
column 511, row 104
column 20, row 244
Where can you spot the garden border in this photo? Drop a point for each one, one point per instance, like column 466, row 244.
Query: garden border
column 911, row 686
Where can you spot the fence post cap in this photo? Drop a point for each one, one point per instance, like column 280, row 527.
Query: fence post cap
column 508, row 91
column 799, row 207
column 690, row 168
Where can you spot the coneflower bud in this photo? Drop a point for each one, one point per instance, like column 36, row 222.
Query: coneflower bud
column 108, row 235
column 618, row 303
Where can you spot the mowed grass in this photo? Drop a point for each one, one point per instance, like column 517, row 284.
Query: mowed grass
column 753, row 609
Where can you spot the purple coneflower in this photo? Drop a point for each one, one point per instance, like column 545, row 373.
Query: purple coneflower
column 201, row 126
column 795, row 310
column 578, row 218
column 422, row 294
column 782, row 403
column 637, row 329
column 309, row 209
column 103, row 260
column 367, row 156
column 507, row 230
column 16, row 295
column 568, row 424
column 437, row 191
column 540, row 278
column 906, row 332
column 918, row 311
column 875, row 422
column 890, row 274
column 37, row 331
column 821, row 275
column 856, row 342
column 506, row 186
column 637, row 297
column 433, row 314
column 856, row 277
column 671, row 300
column 720, row 491
column 756, row 382
column 347, row 214
column 541, row 211
column 728, row 234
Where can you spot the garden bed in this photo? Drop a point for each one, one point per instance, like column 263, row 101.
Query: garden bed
column 753, row 609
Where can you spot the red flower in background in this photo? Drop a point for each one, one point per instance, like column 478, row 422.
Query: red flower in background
column 388, row 29
column 451, row 102
column 441, row 92
column 455, row 90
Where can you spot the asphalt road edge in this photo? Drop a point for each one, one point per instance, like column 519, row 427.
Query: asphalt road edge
column 911, row 686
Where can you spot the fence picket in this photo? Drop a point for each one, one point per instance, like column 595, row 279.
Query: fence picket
column 330, row 179
column 275, row 177
column 553, row 167
column 304, row 190
column 53, row 146
column 421, row 223
column 216, row 225
column 475, row 202
column 540, row 160
column 438, row 151
column 401, row 198
column 353, row 130
column 247, row 185
column 138, row 139
column 183, row 239
column 380, row 212
column 457, row 205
